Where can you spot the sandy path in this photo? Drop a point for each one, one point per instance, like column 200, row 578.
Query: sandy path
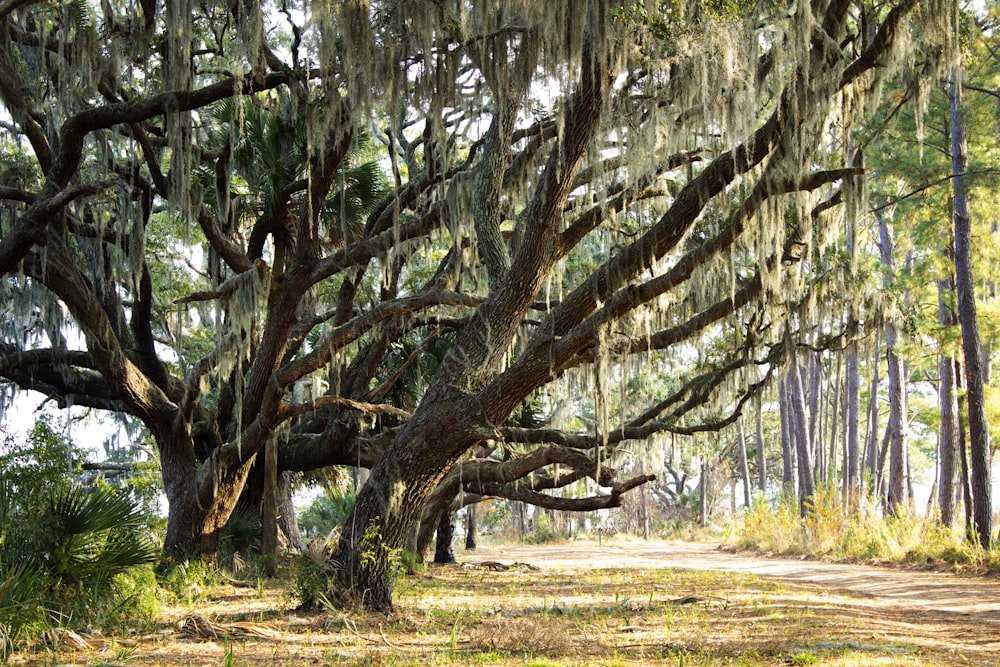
column 931, row 591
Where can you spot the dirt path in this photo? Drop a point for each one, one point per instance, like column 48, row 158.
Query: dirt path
column 932, row 592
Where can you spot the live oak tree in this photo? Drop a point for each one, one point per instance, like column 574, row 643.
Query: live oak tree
column 579, row 193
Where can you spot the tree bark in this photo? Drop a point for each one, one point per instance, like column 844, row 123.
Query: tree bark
column 761, row 454
column 269, row 509
column 789, row 468
column 948, row 454
column 871, row 433
column 979, row 439
column 744, row 466
column 852, row 416
column 443, row 551
column 470, row 526
column 803, row 450
column 897, row 498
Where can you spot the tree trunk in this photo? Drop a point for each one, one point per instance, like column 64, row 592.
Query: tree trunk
column 288, row 522
column 813, row 395
column 897, row 498
column 761, row 455
column 194, row 524
column 470, row 526
column 834, row 409
column 789, row 468
column 443, row 551
column 744, row 466
column 852, row 415
column 979, row 445
column 803, row 450
column 948, row 455
column 871, row 433
column 703, row 493
column 269, row 508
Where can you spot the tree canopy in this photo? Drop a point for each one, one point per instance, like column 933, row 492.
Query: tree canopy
column 243, row 223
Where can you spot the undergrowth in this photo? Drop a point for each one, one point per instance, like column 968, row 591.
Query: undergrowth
column 834, row 530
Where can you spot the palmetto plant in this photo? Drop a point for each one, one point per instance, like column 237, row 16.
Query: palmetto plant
column 59, row 559
column 92, row 536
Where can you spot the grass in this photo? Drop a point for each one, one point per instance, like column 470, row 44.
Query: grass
column 832, row 531
column 457, row 615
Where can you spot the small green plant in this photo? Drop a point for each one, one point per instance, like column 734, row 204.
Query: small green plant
column 312, row 582
column 227, row 656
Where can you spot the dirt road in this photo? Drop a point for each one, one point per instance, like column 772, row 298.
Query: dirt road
column 935, row 592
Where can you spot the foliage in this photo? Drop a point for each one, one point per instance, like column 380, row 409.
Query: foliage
column 240, row 538
column 76, row 560
column 68, row 554
column 41, row 460
column 327, row 512
column 376, row 230
column 313, row 581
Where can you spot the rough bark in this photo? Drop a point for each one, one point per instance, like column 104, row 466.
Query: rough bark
column 443, row 551
column 979, row 446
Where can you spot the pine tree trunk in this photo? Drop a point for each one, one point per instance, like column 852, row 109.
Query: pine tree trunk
column 948, row 455
column 744, row 466
column 852, row 415
column 979, row 445
column 897, row 498
column 789, row 468
column 288, row 522
column 761, row 454
column 871, row 433
column 803, row 450
column 833, row 409
column 269, row 509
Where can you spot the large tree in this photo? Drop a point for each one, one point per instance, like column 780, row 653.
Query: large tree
column 579, row 192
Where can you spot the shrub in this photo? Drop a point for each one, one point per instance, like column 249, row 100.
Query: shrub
column 68, row 555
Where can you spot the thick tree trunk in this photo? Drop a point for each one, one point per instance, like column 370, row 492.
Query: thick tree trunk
column 979, row 444
column 194, row 524
column 389, row 506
